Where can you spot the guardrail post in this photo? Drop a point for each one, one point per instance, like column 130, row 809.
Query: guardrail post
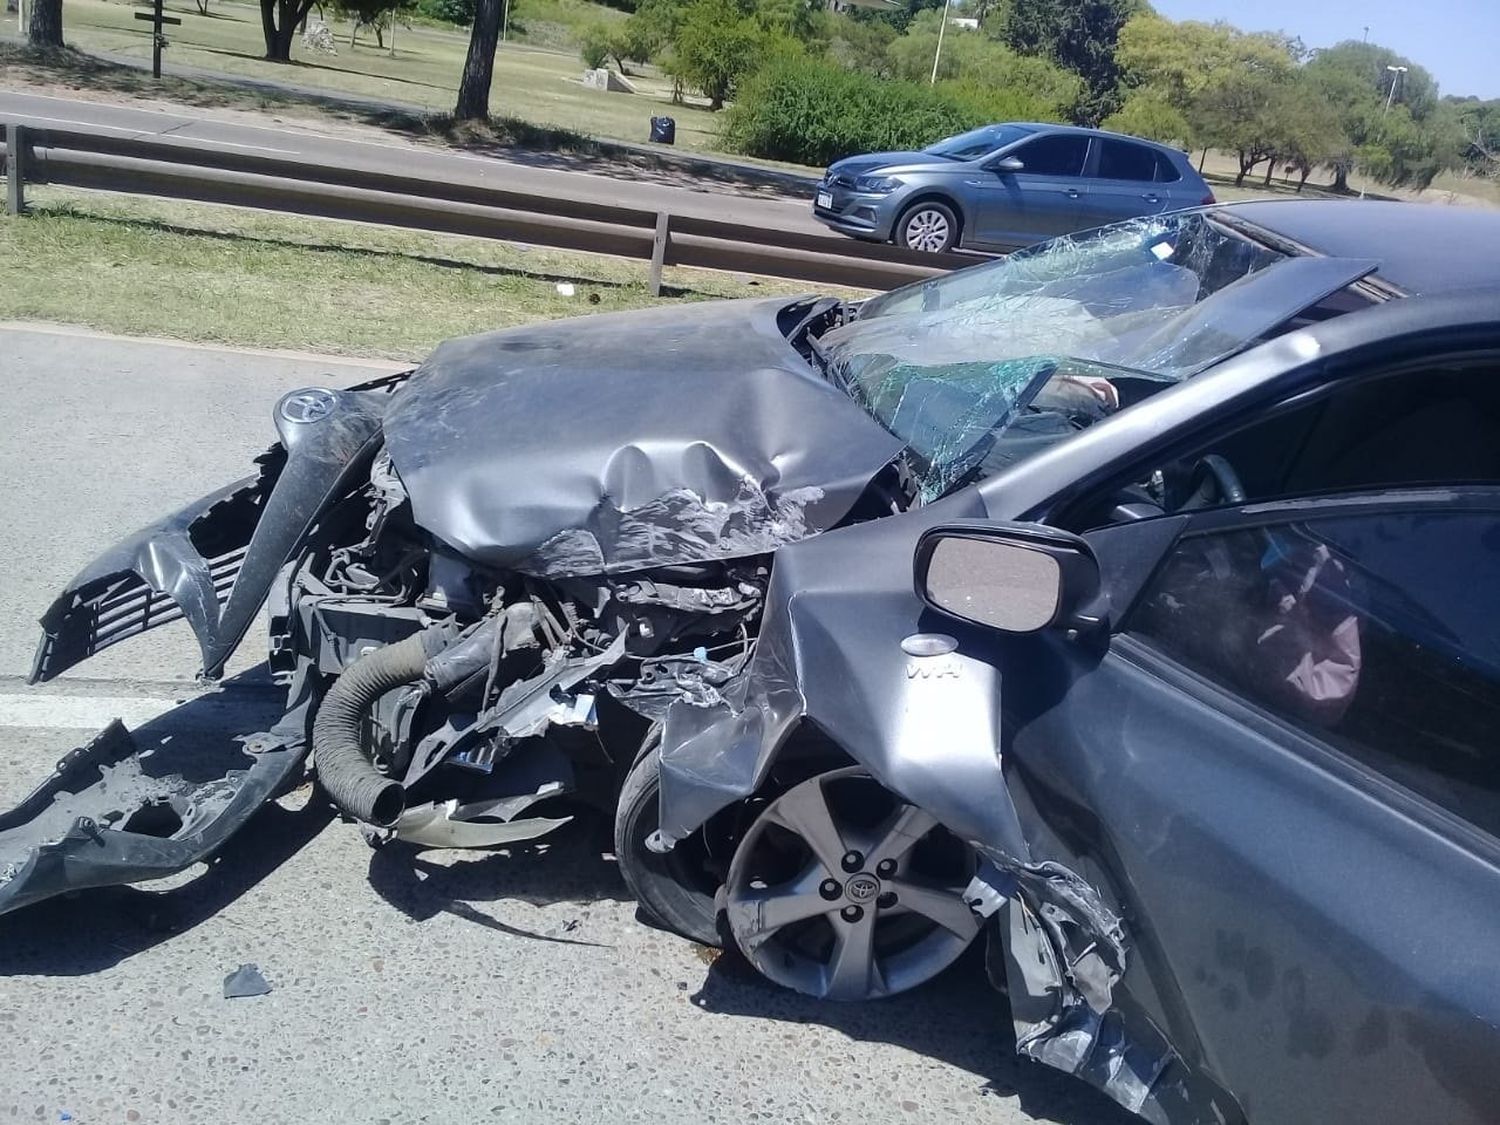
column 659, row 250
column 15, row 170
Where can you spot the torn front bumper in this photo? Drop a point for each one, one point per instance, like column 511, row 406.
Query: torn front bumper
column 214, row 561
column 113, row 813
column 122, row 811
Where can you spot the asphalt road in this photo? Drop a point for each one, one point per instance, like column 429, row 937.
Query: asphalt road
column 435, row 986
column 557, row 175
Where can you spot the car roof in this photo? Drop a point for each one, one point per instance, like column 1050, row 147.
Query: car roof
column 1053, row 127
column 1423, row 248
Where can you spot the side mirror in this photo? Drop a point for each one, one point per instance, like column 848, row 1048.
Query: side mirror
column 1007, row 164
column 1016, row 578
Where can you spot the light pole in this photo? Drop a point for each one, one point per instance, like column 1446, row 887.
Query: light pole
column 942, row 27
column 1396, row 73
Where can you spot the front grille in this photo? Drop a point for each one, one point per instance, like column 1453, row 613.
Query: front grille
column 115, row 608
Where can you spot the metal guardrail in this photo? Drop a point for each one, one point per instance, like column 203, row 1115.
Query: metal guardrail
column 151, row 165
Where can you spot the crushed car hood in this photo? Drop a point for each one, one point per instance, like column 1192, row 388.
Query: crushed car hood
column 630, row 440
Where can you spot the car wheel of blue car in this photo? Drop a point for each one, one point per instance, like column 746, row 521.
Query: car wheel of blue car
column 843, row 891
column 929, row 226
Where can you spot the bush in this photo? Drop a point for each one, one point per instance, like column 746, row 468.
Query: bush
column 809, row 111
column 594, row 45
column 460, row 12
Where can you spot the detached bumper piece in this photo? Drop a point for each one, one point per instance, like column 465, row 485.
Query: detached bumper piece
column 111, row 813
column 183, row 566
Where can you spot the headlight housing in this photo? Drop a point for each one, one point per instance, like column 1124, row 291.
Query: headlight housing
column 878, row 185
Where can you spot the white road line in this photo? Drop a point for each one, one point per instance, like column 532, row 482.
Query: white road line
column 30, row 117
column 91, row 712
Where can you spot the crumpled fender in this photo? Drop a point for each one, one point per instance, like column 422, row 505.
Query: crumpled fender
column 830, row 652
column 927, row 727
column 214, row 561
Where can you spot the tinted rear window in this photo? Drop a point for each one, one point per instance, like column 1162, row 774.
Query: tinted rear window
column 1121, row 160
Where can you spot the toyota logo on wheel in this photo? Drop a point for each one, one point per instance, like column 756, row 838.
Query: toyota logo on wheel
column 862, row 888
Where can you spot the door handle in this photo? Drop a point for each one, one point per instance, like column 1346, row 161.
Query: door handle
column 1151, row 197
column 1072, row 193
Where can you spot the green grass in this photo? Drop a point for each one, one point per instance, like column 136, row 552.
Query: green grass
column 536, row 85
column 208, row 273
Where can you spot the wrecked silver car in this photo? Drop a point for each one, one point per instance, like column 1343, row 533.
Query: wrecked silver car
column 1062, row 602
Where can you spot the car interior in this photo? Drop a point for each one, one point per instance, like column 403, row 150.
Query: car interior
column 1413, row 594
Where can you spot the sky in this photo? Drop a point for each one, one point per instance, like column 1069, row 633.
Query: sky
column 1456, row 40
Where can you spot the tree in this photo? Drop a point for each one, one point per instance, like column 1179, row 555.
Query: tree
column 44, row 28
column 1480, row 123
column 632, row 42
column 716, row 45
column 861, row 44
column 1078, row 34
column 374, row 14
column 278, row 23
column 1165, row 64
column 1238, row 112
column 1306, row 132
column 594, row 45
column 1181, row 59
column 479, row 63
column 1409, row 143
column 1148, row 112
column 981, row 61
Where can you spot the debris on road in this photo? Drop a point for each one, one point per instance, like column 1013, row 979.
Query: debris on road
column 246, row 981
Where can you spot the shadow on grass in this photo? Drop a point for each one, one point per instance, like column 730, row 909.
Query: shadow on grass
column 164, row 227
column 507, row 139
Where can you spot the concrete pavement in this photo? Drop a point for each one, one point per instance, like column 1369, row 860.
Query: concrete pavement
column 435, row 986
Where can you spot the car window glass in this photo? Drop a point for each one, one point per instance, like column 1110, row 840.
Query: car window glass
column 1166, row 171
column 1057, row 155
column 1425, row 426
column 1377, row 633
column 1121, row 160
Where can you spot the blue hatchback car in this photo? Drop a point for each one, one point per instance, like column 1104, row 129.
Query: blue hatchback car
column 1004, row 186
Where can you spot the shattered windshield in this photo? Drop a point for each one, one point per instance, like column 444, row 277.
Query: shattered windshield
column 948, row 364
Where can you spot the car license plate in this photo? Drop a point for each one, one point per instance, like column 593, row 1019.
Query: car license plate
column 825, row 199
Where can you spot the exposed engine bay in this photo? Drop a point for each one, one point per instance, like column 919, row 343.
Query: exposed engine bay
column 445, row 670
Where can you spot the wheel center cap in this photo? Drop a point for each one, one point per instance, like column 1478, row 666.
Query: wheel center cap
column 862, row 888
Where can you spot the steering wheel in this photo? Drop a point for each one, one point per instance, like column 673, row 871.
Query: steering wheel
column 1211, row 483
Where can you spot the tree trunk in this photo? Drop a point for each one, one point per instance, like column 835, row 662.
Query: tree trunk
column 479, row 65
column 1270, row 167
column 1341, row 179
column 1245, row 165
column 1201, row 158
column 353, row 31
column 1302, row 183
column 44, row 29
column 278, row 23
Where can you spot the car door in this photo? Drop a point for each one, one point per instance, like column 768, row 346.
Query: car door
column 1124, row 183
column 1042, row 200
column 1284, row 763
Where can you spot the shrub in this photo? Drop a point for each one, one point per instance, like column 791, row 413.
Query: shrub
column 809, row 111
column 460, row 12
column 594, row 44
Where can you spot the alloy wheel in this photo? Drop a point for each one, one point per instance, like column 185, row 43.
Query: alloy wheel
column 843, row 891
column 926, row 229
